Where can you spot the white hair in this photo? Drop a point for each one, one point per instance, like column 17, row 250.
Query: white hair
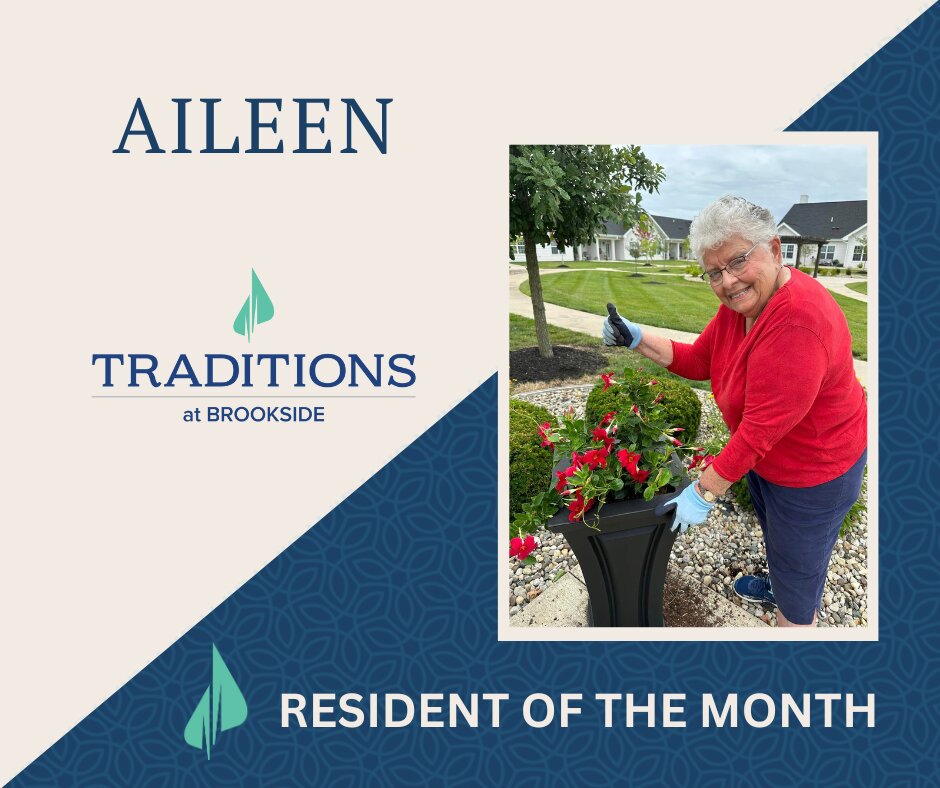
column 727, row 217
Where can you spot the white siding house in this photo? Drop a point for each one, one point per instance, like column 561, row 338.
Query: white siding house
column 613, row 241
column 838, row 229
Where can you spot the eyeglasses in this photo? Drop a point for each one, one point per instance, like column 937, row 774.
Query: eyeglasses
column 735, row 267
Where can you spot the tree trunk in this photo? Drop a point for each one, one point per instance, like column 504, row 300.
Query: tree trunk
column 816, row 264
column 538, row 303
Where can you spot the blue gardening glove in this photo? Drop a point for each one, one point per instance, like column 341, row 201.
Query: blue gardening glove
column 617, row 331
column 691, row 509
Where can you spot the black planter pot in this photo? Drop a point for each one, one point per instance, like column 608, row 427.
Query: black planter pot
column 623, row 559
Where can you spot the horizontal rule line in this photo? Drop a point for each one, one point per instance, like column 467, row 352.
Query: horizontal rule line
column 253, row 396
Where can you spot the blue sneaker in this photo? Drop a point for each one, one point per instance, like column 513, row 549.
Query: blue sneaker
column 754, row 589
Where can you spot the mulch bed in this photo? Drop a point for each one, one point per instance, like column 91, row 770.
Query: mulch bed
column 527, row 366
column 681, row 609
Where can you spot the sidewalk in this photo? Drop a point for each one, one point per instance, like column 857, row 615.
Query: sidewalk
column 587, row 323
column 564, row 604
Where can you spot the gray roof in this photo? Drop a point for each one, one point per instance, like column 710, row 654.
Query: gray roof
column 675, row 229
column 827, row 219
column 614, row 228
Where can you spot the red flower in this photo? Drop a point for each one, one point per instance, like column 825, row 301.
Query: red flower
column 578, row 507
column 520, row 548
column 678, row 429
column 630, row 460
column 595, row 458
column 545, row 433
column 563, row 477
column 659, row 398
column 576, row 460
column 600, row 434
column 704, row 459
column 676, row 442
column 608, row 417
column 608, row 379
column 707, row 460
column 652, row 382
column 636, row 410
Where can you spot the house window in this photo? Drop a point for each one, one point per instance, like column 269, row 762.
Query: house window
column 827, row 252
column 789, row 250
column 555, row 249
column 860, row 254
column 518, row 248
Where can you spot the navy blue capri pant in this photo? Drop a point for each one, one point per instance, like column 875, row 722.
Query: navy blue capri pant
column 801, row 525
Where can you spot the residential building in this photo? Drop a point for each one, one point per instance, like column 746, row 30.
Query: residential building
column 613, row 242
column 838, row 230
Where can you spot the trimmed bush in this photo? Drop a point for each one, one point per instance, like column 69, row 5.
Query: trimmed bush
column 825, row 270
column 680, row 403
column 530, row 465
column 742, row 495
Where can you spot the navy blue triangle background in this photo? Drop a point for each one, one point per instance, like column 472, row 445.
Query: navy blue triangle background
column 396, row 590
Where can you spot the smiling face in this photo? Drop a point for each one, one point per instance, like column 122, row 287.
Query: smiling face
column 748, row 291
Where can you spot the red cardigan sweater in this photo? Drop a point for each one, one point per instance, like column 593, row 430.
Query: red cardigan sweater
column 787, row 389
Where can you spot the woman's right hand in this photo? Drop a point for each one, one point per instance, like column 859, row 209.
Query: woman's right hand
column 617, row 331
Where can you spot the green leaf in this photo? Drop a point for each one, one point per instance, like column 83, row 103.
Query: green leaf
column 528, row 560
column 648, row 494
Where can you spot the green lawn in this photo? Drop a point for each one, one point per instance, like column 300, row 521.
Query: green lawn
column 859, row 287
column 665, row 301
column 856, row 313
column 522, row 334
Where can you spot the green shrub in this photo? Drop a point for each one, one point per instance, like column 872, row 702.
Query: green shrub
column 530, row 465
column 681, row 405
column 693, row 270
column 742, row 495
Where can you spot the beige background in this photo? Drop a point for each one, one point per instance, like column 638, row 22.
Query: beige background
column 113, row 511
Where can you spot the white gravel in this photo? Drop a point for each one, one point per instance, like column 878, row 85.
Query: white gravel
column 727, row 545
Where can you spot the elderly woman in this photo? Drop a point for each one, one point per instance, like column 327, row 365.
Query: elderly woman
column 779, row 356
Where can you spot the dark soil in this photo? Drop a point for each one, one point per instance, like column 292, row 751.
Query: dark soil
column 682, row 609
column 527, row 366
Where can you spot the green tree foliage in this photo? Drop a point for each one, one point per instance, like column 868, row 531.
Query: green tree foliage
column 563, row 193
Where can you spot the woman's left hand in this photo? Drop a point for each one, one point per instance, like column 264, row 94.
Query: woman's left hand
column 691, row 509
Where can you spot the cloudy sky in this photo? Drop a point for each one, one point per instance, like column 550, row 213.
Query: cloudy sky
column 773, row 176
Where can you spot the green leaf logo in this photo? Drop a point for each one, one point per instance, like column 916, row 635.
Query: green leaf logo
column 221, row 708
column 257, row 308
